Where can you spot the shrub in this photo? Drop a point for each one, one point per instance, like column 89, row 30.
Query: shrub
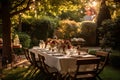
column 24, row 39
column 72, row 15
column 88, row 32
column 41, row 29
column 109, row 33
column 67, row 29
column 92, row 52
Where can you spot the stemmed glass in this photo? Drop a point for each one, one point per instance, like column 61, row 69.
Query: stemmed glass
column 67, row 52
column 42, row 44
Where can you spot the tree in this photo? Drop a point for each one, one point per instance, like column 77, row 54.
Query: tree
column 55, row 8
column 103, row 14
column 8, row 9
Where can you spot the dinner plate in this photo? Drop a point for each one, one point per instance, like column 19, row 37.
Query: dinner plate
column 77, row 56
column 88, row 55
column 58, row 54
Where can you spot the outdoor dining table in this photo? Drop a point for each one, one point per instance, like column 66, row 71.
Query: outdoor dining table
column 63, row 63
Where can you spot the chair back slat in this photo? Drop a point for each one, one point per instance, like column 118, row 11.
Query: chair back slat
column 33, row 59
column 27, row 54
column 87, row 61
column 42, row 63
column 104, row 59
column 47, row 69
column 102, row 53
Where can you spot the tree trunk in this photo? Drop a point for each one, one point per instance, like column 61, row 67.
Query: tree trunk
column 6, row 33
column 103, row 14
column 20, row 23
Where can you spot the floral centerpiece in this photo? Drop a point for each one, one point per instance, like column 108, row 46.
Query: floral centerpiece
column 53, row 43
column 66, row 45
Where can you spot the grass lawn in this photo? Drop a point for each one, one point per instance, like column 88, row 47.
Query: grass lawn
column 109, row 72
column 14, row 74
column 19, row 73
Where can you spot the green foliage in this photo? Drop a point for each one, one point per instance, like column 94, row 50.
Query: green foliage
column 109, row 33
column 40, row 29
column 71, row 15
column 93, row 52
column 104, row 13
column 88, row 32
column 55, row 8
column 67, row 29
column 24, row 39
column 15, row 74
column 114, row 7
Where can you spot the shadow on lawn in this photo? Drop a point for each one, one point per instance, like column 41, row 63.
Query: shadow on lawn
column 19, row 73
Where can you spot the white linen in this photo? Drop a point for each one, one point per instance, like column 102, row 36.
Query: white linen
column 63, row 63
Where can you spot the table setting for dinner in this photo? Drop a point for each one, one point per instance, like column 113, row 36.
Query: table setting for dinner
column 63, row 58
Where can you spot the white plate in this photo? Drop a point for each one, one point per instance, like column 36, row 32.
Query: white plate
column 58, row 54
column 77, row 56
column 82, row 55
column 88, row 55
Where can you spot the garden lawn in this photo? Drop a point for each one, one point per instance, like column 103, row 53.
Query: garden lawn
column 109, row 73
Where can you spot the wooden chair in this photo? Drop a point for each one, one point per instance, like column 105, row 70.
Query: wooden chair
column 33, row 59
column 33, row 69
column 104, row 60
column 27, row 55
column 83, row 49
column 30, row 56
column 85, row 74
column 34, row 64
column 50, row 71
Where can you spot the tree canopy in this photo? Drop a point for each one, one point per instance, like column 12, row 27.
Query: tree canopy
column 9, row 8
column 15, row 6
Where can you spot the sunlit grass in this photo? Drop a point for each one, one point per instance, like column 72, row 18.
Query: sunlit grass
column 14, row 74
column 109, row 73
column 22, row 73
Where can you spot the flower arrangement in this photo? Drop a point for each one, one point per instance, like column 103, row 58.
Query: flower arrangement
column 67, row 44
column 53, row 43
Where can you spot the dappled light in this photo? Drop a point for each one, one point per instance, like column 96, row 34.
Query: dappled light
column 40, row 39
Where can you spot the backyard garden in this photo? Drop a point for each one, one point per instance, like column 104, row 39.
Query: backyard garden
column 19, row 72
column 25, row 23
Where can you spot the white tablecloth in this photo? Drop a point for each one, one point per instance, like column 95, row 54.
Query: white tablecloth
column 63, row 63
